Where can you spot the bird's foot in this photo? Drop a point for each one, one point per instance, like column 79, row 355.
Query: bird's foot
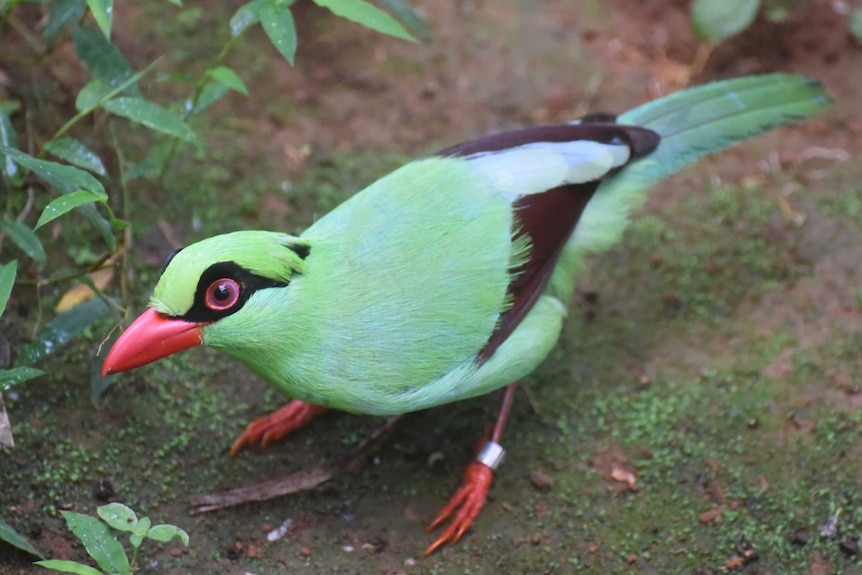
column 469, row 499
column 277, row 425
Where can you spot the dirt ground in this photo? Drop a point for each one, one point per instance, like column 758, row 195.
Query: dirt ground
column 700, row 414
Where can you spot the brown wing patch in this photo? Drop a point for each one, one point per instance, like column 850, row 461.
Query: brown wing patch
column 548, row 218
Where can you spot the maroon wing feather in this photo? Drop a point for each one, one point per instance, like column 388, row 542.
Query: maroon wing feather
column 550, row 217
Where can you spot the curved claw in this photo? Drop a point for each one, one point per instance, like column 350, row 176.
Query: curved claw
column 468, row 500
column 276, row 425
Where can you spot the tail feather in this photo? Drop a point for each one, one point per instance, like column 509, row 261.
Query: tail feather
column 692, row 123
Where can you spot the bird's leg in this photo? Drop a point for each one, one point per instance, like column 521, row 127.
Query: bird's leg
column 277, row 425
column 470, row 498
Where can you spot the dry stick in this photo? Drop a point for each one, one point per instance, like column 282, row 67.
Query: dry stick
column 300, row 481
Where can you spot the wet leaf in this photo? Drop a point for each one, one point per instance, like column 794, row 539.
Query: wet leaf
column 152, row 116
column 277, row 22
column 99, row 542
column 68, row 567
column 102, row 12
column 411, row 19
column 102, row 58
column 229, row 78
column 92, row 93
column 367, row 15
column 165, row 533
column 119, row 516
column 13, row 538
column 8, row 139
column 65, row 179
column 7, row 280
column 856, row 25
column 63, row 13
column 9, row 378
column 64, row 204
column 718, row 20
column 104, row 226
column 245, row 17
column 63, row 328
column 212, row 93
column 24, row 238
column 77, row 154
column 140, row 531
column 6, row 438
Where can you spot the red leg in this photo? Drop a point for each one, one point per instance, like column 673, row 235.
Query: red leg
column 277, row 425
column 470, row 498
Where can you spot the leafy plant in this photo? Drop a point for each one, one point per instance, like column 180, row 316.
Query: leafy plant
column 102, row 545
column 46, row 176
column 718, row 20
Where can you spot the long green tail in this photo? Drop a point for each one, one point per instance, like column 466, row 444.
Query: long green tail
column 692, row 123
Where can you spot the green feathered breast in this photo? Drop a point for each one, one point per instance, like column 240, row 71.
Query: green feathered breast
column 403, row 284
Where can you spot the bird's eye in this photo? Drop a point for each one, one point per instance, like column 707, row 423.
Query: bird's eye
column 222, row 294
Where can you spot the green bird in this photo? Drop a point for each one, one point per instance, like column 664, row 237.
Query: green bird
column 448, row 278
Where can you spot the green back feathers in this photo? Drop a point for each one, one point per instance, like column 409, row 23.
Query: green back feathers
column 267, row 254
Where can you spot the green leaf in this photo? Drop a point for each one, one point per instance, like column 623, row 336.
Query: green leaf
column 76, row 153
column 367, row 15
column 13, row 538
column 63, row 13
column 229, row 78
column 152, row 116
column 856, row 24
column 66, row 203
column 245, row 16
column 68, row 567
column 118, row 516
column 65, row 179
column 277, row 22
column 90, row 212
column 9, row 378
column 24, row 238
column 92, row 93
column 411, row 19
column 7, row 280
column 152, row 162
column 102, row 11
column 140, row 532
column 212, row 93
column 99, row 542
column 165, row 533
column 718, row 20
column 63, row 328
column 97, row 91
column 8, row 139
column 102, row 58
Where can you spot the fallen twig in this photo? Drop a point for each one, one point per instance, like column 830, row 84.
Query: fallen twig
column 294, row 483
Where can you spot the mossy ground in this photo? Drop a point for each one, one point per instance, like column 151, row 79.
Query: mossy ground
column 713, row 358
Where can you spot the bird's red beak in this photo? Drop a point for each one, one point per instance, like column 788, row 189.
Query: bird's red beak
column 150, row 337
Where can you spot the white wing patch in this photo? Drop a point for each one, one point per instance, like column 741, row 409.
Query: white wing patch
column 539, row 166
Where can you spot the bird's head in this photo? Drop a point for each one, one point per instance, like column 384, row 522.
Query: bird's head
column 201, row 285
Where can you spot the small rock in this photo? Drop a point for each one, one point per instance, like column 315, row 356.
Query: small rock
column 800, row 537
column 305, row 552
column 103, row 490
column 541, row 480
column 850, row 546
column 709, row 515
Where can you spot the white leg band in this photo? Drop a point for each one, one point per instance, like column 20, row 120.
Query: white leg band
column 491, row 455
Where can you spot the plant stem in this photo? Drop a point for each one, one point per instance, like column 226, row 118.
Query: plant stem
column 189, row 110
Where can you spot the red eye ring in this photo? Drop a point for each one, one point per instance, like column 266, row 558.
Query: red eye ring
column 222, row 294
